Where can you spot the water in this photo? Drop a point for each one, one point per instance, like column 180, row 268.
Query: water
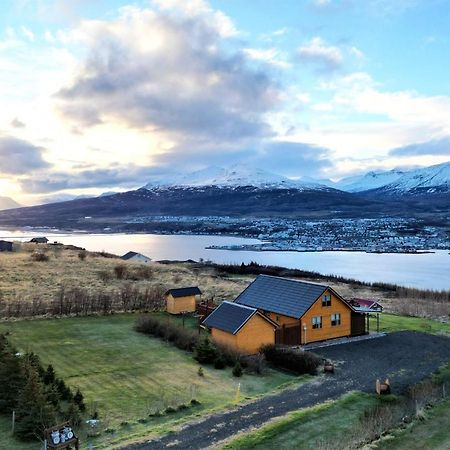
column 425, row 271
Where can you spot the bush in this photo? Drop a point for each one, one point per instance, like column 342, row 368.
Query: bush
column 39, row 256
column 200, row 372
column 205, row 352
column 297, row 361
column 120, row 271
column 220, row 363
column 237, row 370
column 82, row 255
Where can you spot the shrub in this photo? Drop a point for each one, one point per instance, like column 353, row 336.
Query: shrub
column 82, row 255
column 205, row 352
column 39, row 256
column 220, row 363
column 237, row 369
column 200, row 372
column 120, row 271
column 170, row 410
column 296, row 361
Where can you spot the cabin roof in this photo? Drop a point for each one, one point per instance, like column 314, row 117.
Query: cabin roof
column 281, row 295
column 230, row 317
column 128, row 255
column 184, row 292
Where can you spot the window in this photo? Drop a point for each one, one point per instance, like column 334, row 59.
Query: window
column 278, row 318
column 335, row 319
column 326, row 300
column 317, row 322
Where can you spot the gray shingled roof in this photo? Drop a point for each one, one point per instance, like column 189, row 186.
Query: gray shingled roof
column 184, row 292
column 128, row 255
column 229, row 317
column 281, row 295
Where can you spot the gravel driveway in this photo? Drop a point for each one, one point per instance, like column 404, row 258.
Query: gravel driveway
column 404, row 357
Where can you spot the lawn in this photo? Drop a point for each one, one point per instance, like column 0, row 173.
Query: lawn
column 324, row 426
column 391, row 322
column 126, row 376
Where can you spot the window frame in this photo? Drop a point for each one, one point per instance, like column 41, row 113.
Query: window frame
column 337, row 319
column 316, row 324
column 326, row 300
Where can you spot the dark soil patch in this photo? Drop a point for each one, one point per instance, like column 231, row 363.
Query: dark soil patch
column 405, row 358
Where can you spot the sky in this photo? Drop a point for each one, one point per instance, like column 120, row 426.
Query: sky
column 105, row 95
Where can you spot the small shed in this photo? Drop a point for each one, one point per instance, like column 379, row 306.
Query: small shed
column 6, row 246
column 182, row 300
column 240, row 327
column 137, row 257
column 39, row 240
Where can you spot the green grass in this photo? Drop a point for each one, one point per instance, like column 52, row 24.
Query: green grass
column 126, row 375
column 310, row 428
column 7, row 442
column 391, row 322
column 431, row 433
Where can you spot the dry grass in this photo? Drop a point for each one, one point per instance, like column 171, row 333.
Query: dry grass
column 27, row 279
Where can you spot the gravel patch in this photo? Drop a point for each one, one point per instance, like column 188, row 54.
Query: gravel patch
column 404, row 357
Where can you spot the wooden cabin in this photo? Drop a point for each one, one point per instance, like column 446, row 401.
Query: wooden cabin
column 39, row 240
column 136, row 257
column 6, row 246
column 240, row 327
column 305, row 312
column 182, row 300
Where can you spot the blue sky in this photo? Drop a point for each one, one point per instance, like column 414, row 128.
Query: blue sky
column 104, row 95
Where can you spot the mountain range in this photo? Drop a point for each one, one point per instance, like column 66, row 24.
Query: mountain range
column 244, row 191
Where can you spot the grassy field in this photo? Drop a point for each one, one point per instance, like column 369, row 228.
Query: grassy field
column 391, row 322
column 126, row 376
column 430, row 433
column 325, row 426
column 22, row 277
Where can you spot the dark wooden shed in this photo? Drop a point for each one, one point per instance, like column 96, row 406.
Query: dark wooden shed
column 6, row 246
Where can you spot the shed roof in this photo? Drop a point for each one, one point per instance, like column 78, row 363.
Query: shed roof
column 230, row 317
column 128, row 255
column 281, row 295
column 184, row 292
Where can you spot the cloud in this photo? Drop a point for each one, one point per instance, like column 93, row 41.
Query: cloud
column 130, row 176
column 270, row 56
column 19, row 157
column 16, row 123
column 439, row 147
column 154, row 70
column 317, row 52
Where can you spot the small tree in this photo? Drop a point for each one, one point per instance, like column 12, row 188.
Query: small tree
column 205, row 352
column 49, row 375
column 33, row 412
column 82, row 255
column 237, row 369
column 78, row 399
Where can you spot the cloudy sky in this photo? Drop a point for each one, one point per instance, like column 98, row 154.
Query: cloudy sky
column 100, row 95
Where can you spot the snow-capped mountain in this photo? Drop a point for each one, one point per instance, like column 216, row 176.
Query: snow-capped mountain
column 369, row 180
column 428, row 180
column 8, row 203
column 233, row 176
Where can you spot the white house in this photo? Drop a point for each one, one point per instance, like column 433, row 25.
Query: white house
column 137, row 257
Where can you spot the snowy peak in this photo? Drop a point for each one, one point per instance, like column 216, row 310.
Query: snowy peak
column 370, row 180
column 233, row 176
column 433, row 179
column 8, row 203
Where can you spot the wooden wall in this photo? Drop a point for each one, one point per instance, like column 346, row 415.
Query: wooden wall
column 327, row 331
column 177, row 305
column 248, row 340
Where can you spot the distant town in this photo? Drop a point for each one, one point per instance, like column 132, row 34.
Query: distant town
column 384, row 235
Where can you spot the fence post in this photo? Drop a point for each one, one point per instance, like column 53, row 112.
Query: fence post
column 13, row 421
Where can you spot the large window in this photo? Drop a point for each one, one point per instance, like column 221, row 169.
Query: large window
column 317, row 322
column 335, row 319
column 326, row 300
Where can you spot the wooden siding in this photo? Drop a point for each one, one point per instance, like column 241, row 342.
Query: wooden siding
column 327, row 331
column 180, row 304
column 280, row 319
column 255, row 333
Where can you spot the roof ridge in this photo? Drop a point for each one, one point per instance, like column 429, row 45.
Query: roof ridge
column 293, row 280
column 240, row 305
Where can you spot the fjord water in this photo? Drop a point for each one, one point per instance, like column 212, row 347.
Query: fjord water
column 424, row 270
